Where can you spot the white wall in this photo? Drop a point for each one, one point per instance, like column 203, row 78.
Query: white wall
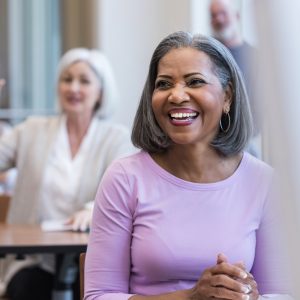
column 200, row 20
column 279, row 42
column 248, row 24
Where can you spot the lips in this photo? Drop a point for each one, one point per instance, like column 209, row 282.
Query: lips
column 73, row 99
column 182, row 117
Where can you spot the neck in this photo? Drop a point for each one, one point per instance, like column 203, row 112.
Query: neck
column 77, row 128
column 78, row 125
column 197, row 163
column 234, row 42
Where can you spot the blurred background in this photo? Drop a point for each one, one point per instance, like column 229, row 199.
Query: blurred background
column 34, row 34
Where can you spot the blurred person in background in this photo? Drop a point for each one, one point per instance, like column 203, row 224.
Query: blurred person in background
column 60, row 161
column 225, row 25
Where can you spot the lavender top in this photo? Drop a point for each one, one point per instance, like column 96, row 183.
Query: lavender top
column 154, row 233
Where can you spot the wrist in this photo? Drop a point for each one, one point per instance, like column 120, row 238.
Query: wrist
column 189, row 294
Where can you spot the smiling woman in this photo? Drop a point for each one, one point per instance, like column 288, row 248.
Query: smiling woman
column 193, row 212
column 217, row 62
column 189, row 94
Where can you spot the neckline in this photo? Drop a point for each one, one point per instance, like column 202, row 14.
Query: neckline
column 193, row 185
column 85, row 141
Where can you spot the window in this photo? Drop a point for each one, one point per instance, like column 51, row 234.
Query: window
column 31, row 32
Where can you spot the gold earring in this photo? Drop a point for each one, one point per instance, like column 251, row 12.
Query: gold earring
column 227, row 121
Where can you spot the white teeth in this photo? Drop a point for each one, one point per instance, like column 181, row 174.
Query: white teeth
column 183, row 115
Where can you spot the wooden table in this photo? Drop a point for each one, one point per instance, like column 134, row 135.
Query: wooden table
column 25, row 239
column 31, row 239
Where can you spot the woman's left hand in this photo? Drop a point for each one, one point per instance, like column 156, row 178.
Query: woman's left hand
column 249, row 280
column 253, row 295
column 81, row 220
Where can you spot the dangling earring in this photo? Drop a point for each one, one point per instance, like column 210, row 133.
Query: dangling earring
column 227, row 122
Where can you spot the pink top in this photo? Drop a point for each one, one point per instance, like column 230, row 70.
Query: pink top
column 154, row 233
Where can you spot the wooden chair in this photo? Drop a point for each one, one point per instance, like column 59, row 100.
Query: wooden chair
column 81, row 274
column 4, row 206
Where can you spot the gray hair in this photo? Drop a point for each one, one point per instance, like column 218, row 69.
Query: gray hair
column 102, row 68
column 147, row 134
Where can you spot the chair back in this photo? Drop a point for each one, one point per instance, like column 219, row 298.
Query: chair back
column 4, row 206
column 81, row 274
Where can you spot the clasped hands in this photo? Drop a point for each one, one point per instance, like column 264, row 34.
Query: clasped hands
column 225, row 281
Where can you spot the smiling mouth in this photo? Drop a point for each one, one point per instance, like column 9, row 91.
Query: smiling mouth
column 183, row 116
column 73, row 100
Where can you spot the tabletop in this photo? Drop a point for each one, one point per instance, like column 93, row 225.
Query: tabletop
column 25, row 239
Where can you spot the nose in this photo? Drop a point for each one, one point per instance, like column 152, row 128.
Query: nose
column 218, row 20
column 74, row 86
column 178, row 95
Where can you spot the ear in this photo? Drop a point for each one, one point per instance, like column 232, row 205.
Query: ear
column 228, row 97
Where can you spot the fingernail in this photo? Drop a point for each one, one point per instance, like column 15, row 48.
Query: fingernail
column 243, row 275
column 245, row 297
column 246, row 289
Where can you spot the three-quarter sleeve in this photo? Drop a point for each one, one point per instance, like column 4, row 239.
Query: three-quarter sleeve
column 107, row 267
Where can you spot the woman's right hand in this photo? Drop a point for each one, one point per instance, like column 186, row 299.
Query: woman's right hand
column 222, row 281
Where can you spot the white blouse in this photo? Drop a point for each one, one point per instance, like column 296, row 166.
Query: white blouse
column 61, row 181
column 63, row 175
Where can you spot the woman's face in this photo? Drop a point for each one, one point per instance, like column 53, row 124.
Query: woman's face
column 79, row 89
column 188, row 99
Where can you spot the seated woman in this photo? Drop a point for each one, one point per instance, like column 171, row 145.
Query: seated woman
column 61, row 159
column 190, row 216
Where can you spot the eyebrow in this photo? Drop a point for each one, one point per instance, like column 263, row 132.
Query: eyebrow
column 185, row 76
column 81, row 75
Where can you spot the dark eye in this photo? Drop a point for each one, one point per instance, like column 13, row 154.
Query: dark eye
column 195, row 82
column 162, row 84
column 85, row 81
column 66, row 79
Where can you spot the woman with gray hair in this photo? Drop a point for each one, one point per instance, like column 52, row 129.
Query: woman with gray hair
column 192, row 213
column 61, row 159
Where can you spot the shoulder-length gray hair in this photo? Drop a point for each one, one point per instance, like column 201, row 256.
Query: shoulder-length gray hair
column 102, row 68
column 147, row 134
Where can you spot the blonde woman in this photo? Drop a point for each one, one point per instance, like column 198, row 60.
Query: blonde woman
column 61, row 159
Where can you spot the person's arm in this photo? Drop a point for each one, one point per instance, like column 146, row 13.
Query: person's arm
column 107, row 264
column 270, row 267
